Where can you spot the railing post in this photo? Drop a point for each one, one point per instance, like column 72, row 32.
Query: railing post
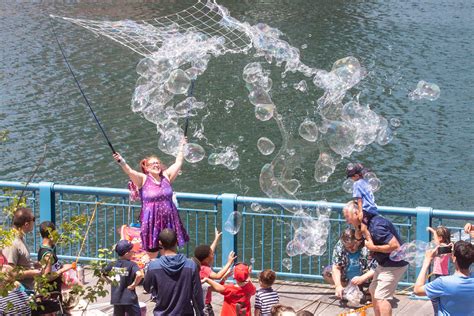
column 47, row 202
column 229, row 241
column 423, row 220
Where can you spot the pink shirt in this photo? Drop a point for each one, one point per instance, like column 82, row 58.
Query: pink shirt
column 205, row 272
column 440, row 264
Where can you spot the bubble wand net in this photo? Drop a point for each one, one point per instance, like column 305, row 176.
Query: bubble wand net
column 146, row 36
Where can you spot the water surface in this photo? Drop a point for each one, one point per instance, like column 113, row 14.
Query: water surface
column 429, row 163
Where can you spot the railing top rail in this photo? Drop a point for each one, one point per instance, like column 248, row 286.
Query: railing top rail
column 19, row 185
column 214, row 198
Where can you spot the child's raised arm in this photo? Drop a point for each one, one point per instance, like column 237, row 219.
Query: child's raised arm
column 225, row 269
column 435, row 235
column 214, row 285
column 217, row 236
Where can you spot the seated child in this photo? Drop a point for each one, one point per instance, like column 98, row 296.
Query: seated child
column 127, row 276
column 205, row 256
column 236, row 296
column 266, row 297
column 51, row 268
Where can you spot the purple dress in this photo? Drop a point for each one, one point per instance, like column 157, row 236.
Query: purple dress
column 159, row 212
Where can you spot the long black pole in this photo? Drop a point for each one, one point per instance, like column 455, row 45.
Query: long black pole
column 190, row 94
column 80, row 89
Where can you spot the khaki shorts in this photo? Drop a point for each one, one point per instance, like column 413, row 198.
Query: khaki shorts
column 385, row 281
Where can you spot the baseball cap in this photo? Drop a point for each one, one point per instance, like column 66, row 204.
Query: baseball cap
column 353, row 169
column 123, row 246
column 241, row 272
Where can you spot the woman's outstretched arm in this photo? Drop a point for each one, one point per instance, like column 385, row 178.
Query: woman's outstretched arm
column 172, row 172
column 137, row 178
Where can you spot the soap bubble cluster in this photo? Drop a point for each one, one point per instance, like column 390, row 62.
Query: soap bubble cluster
column 342, row 124
column 229, row 104
column 310, row 234
column 352, row 294
column 412, row 252
column 301, row 86
column 228, row 157
column 425, row 90
column 256, row 207
column 287, row 263
column 162, row 82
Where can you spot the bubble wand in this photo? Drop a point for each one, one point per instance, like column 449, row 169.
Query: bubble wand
column 190, row 94
column 79, row 86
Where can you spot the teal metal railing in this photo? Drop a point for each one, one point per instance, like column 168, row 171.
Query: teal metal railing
column 261, row 239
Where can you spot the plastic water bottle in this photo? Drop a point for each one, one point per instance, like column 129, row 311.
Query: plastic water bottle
column 80, row 274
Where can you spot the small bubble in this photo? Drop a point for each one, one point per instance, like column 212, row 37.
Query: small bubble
column 394, row 122
column 304, row 46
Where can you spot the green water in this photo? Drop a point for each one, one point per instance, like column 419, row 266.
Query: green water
column 429, row 162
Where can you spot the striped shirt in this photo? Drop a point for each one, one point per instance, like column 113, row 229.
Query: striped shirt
column 16, row 303
column 265, row 299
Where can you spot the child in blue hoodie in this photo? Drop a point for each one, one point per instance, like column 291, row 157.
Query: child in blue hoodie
column 173, row 280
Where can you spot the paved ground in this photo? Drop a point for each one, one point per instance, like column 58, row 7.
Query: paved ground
column 317, row 298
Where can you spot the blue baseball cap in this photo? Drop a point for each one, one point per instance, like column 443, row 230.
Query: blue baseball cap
column 353, row 169
column 123, row 246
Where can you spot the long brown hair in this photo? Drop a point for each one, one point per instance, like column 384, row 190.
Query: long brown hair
column 444, row 233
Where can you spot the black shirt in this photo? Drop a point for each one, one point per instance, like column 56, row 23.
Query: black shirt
column 124, row 274
column 55, row 265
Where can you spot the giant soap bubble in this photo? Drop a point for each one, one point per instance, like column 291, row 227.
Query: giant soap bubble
column 233, row 222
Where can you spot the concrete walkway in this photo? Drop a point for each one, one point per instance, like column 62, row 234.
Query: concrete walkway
column 314, row 297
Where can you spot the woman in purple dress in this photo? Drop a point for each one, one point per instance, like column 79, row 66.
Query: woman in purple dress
column 158, row 210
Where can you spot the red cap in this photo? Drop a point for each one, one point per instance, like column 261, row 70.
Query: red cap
column 241, row 272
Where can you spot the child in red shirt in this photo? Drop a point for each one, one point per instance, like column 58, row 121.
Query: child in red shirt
column 205, row 255
column 236, row 296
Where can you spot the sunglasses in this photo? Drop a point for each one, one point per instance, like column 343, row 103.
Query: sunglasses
column 154, row 163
